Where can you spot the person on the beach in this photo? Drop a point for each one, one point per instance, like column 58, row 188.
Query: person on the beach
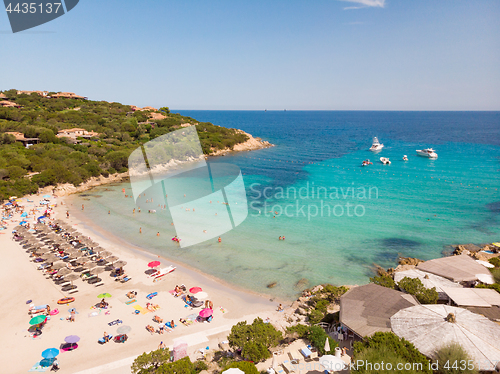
column 106, row 337
column 161, row 346
column 280, row 308
column 67, row 214
column 83, row 207
column 161, row 328
column 140, row 230
column 172, row 324
column 55, row 366
column 220, row 240
column 210, row 304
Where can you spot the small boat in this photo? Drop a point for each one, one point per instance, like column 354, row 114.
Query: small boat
column 366, row 162
column 428, row 152
column 405, row 158
column 385, row 160
column 376, row 146
column 66, row 300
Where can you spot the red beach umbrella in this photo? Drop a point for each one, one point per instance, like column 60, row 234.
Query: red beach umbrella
column 205, row 313
column 195, row 289
column 154, row 264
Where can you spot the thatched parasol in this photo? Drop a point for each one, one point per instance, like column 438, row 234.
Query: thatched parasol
column 430, row 327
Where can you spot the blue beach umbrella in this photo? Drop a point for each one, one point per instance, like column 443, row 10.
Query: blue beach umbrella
column 50, row 353
column 46, row 196
column 41, row 217
column 22, row 222
column 24, row 214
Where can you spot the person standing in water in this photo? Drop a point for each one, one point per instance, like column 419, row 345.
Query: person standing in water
column 140, row 230
column 220, row 240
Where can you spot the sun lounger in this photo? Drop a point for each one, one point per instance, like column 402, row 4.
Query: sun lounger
column 151, row 295
column 288, row 367
column 168, row 324
column 102, row 340
column 99, row 284
column 293, row 360
column 306, row 352
column 115, row 322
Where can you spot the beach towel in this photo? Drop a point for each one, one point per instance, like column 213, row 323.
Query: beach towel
column 168, row 324
column 130, row 301
column 95, row 314
column 38, row 367
column 115, row 322
column 222, row 309
column 171, row 292
column 141, row 309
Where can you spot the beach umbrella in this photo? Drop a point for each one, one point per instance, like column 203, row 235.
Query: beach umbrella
column 119, row 264
column 22, row 222
column 72, row 339
column 430, row 327
column 103, row 295
column 332, row 363
column 46, row 196
column 50, row 353
column 233, row 371
column 64, row 271
column 154, row 264
column 37, row 320
column 201, row 295
column 327, row 345
column 105, row 253
column 195, row 289
column 71, row 277
column 96, row 271
column 59, row 265
column 89, row 266
column 123, row 329
column 111, row 259
column 205, row 313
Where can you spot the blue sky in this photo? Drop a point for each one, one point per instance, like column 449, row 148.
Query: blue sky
column 273, row 54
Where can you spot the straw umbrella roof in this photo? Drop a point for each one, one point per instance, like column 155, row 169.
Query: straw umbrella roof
column 71, row 277
column 111, row 258
column 97, row 270
column 120, row 264
column 105, row 253
column 461, row 268
column 59, row 265
column 430, row 327
column 64, row 271
column 367, row 309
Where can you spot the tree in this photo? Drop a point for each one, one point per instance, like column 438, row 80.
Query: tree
column 254, row 340
column 149, row 362
column 384, row 281
column 415, row 287
column 165, row 109
column 245, row 366
column 453, row 359
column 388, row 348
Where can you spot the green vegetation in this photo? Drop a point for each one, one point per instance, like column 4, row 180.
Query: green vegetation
column 320, row 301
column 245, row 366
column 388, row 348
column 453, row 359
column 495, row 261
column 316, row 335
column 58, row 160
column 384, row 281
column 254, row 340
column 150, row 362
column 415, row 287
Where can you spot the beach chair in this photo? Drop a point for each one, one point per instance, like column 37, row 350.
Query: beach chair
column 103, row 341
column 115, row 322
column 125, row 279
column 293, row 359
column 288, row 367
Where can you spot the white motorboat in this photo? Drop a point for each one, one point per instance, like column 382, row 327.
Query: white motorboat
column 385, row 160
column 428, row 152
column 405, row 158
column 376, row 146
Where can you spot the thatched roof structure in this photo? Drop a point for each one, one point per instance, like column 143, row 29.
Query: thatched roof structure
column 492, row 313
column 461, row 268
column 428, row 280
column 473, row 296
column 430, row 327
column 367, row 309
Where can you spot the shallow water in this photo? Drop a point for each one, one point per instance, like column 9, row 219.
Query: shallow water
column 338, row 218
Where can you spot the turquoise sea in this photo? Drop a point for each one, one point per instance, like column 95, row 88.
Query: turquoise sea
column 338, row 218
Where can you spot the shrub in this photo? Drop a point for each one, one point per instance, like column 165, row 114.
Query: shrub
column 315, row 334
column 150, row 362
column 199, row 366
column 453, row 359
column 495, row 286
column 415, row 287
column 254, row 340
column 495, row 261
column 387, row 346
column 182, row 366
column 384, row 281
column 245, row 366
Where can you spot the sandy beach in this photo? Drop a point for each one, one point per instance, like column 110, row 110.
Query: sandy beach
column 23, row 282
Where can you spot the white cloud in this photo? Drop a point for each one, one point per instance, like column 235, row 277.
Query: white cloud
column 365, row 4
